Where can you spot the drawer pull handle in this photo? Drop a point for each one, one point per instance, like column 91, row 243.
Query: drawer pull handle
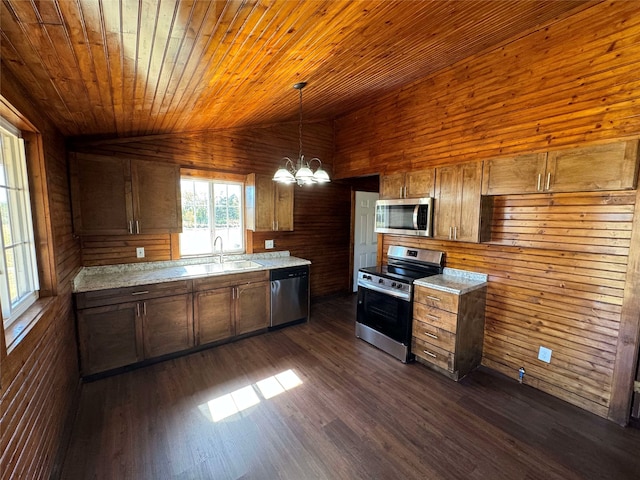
column 435, row 299
column 431, row 335
column 140, row 293
column 429, row 353
column 434, row 317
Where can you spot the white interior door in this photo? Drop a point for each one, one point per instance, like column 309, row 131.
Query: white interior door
column 365, row 241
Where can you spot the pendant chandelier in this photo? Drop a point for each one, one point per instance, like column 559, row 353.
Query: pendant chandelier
column 300, row 172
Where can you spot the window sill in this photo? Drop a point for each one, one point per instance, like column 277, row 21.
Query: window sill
column 19, row 329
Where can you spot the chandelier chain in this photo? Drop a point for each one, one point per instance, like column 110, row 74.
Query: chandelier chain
column 300, row 128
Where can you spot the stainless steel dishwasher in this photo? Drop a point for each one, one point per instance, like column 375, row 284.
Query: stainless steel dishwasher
column 289, row 295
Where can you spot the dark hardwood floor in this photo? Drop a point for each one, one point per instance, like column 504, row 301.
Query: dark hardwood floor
column 358, row 414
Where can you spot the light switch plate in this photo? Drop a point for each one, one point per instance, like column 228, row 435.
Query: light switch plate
column 544, row 354
column 268, row 244
column 140, row 252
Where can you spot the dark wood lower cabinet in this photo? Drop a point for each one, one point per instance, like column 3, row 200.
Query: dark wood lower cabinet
column 108, row 337
column 167, row 325
column 252, row 307
column 213, row 312
column 124, row 332
column 231, row 311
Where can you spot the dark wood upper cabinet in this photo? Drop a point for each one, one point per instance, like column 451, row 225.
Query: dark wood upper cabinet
column 457, row 202
column 269, row 205
column 416, row 184
column 113, row 196
column 611, row 166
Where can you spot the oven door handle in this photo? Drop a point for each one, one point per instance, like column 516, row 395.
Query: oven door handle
column 415, row 217
column 393, row 293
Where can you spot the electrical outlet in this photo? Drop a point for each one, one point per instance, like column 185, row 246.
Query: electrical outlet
column 544, row 354
column 268, row 244
column 140, row 252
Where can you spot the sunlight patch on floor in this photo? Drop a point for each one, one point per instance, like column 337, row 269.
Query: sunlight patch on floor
column 239, row 400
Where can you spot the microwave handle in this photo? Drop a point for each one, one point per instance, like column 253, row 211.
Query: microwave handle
column 415, row 217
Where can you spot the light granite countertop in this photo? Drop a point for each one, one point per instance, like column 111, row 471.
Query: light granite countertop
column 454, row 281
column 133, row 274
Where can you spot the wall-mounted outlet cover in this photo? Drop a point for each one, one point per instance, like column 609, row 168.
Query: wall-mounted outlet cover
column 544, row 354
column 268, row 244
column 140, row 252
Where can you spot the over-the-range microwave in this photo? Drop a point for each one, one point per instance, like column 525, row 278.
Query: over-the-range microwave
column 407, row 216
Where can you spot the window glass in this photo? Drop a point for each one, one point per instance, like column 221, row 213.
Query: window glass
column 18, row 267
column 210, row 209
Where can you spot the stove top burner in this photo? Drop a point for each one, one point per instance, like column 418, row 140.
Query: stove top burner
column 400, row 273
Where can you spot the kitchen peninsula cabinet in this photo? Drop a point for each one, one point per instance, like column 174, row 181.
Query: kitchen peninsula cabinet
column 448, row 328
column 611, row 166
column 417, row 184
column 114, row 196
column 457, row 202
column 269, row 205
column 230, row 305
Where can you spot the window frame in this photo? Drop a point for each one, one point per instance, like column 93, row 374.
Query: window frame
column 219, row 178
column 13, row 340
column 22, row 226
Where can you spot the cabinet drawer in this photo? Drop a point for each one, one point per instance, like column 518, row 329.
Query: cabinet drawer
column 433, row 354
column 435, row 317
column 437, row 298
column 434, row 336
column 231, row 280
column 114, row 296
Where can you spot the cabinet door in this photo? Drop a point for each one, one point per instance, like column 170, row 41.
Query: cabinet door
column 515, row 175
column 601, row 167
column 470, row 183
column 109, row 337
column 252, row 307
column 265, row 204
column 167, row 325
column 100, row 195
column 284, row 207
column 392, row 186
column 420, row 184
column 213, row 315
column 156, row 197
column 446, row 208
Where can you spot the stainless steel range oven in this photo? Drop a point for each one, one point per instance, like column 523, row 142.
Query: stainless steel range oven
column 385, row 298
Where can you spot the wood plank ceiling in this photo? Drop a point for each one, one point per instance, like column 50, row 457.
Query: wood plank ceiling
column 139, row 67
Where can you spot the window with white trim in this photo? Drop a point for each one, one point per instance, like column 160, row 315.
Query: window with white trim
column 211, row 208
column 18, row 267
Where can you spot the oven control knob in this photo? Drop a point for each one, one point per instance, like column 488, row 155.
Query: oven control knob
column 393, row 285
column 381, row 280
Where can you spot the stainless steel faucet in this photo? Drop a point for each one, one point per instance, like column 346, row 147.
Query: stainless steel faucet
column 221, row 248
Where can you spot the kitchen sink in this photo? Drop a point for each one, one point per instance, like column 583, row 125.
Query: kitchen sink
column 239, row 265
column 212, row 268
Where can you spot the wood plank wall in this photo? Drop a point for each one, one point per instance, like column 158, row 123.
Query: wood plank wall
column 558, row 273
column 39, row 378
column 321, row 212
column 570, row 83
column 556, row 266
